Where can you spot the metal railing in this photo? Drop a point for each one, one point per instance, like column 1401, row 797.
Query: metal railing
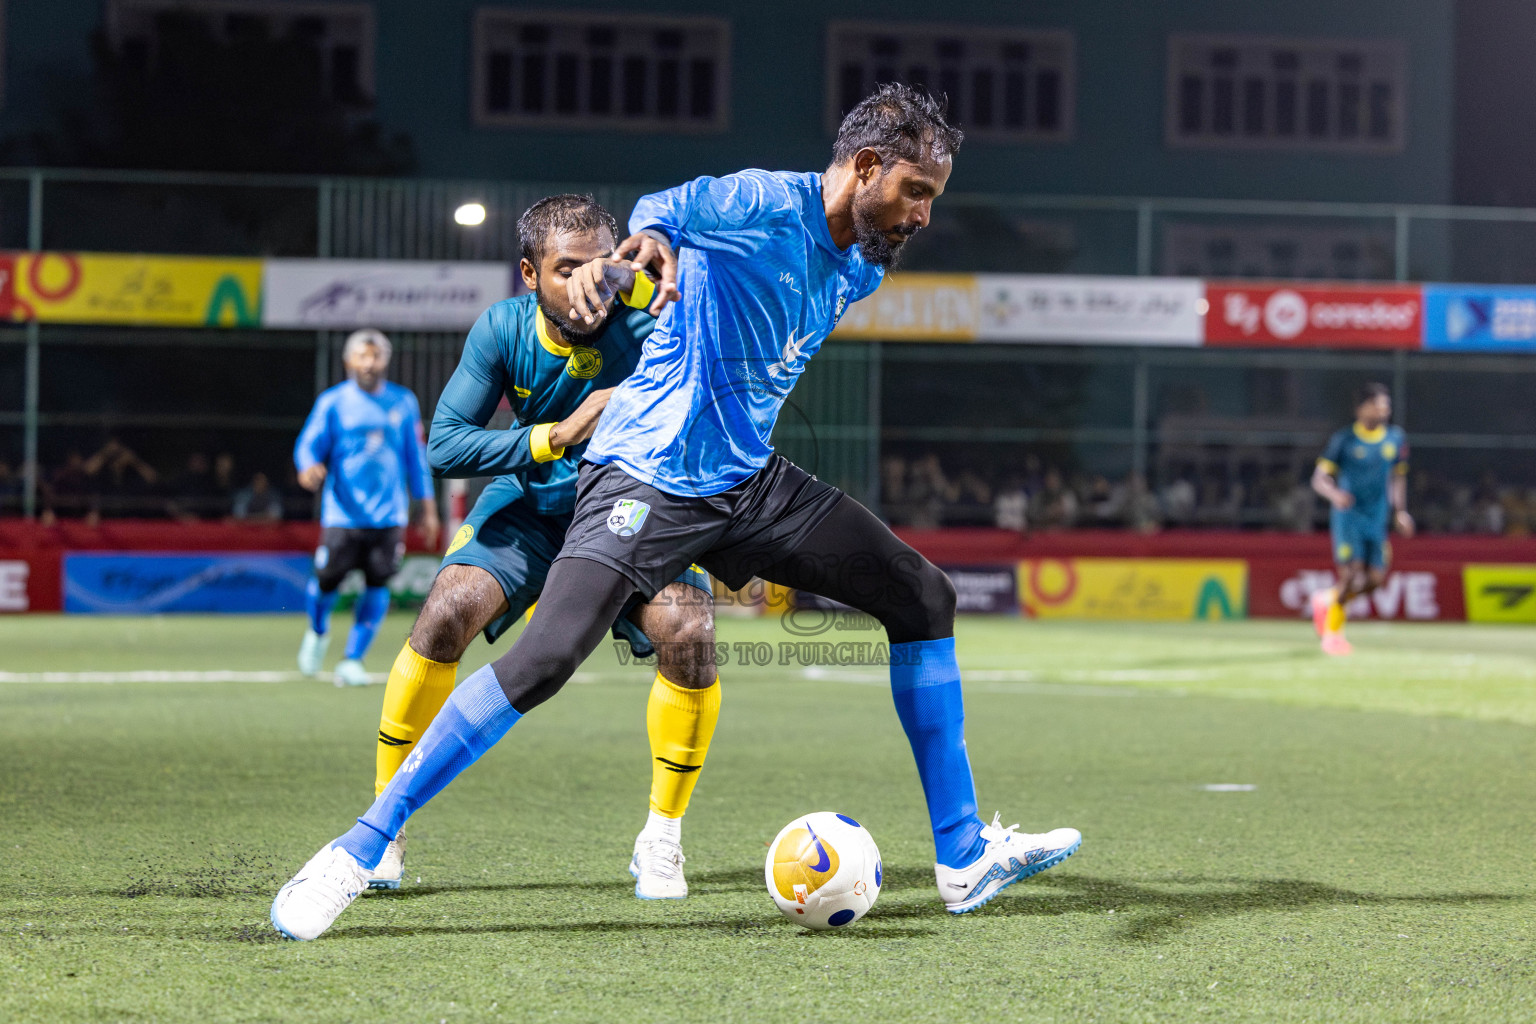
column 839, row 420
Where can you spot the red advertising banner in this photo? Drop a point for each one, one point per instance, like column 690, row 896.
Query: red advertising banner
column 1303, row 316
column 30, row 581
column 1413, row 591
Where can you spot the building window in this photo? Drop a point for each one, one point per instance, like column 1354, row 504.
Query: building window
column 1007, row 84
column 560, row 70
column 1259, row 92
column 339, row 35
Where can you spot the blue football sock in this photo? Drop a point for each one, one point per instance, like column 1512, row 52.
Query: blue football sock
column 925, row 683
column 372, row 606
column 318, row 604
column 471, row 722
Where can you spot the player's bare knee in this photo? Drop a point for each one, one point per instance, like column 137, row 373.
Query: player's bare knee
column 456, row 609
column 681, row 625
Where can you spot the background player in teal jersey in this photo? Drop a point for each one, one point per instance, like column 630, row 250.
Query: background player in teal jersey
column 1363, row 475
column 557, row 375
column 763, row 265
column 362, row 443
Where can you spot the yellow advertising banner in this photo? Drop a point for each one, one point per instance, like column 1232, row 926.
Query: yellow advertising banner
column 101, row 288
column 915, row 307
column 1500, row 593
column 1133, row 588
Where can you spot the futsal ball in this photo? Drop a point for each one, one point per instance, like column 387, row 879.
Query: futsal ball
column 823, row 870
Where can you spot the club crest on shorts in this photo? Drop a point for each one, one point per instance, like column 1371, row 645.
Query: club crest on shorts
column 627, row 517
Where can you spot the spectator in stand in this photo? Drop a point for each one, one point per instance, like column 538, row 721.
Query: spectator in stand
column 1055, row 506
column 1139, row 507
column 1488, row 511
column 125, row 483
column 1178, row 500
column 973, row 504
column 1104, row 503
column 194, row 493
column 70, row 491
column 258, row 501
column 928, row 491
column 224, row 476
column 893, row 488
column 1010, row 509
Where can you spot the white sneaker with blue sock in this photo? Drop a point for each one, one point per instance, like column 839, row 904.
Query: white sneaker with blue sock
column 312, row 652
column 474, row 718
column 315, row 897
column 1009, row 857
column 350, row 672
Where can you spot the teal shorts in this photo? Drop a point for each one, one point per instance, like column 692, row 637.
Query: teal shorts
column 517, row 545
column 1360, row 537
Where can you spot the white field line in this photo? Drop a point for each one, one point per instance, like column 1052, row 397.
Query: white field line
column 154, row 676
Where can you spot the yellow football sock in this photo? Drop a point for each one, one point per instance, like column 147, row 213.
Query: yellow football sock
column 680, row 723
column 415, row 693
column 1336, row 615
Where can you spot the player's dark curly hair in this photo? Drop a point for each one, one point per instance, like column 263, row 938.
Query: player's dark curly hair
column 564, row 212
column 1370, row 392
column 899, row 122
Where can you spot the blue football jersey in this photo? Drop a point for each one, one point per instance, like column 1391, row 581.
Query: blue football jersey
column 763, row 284
column 373, row 451
column 1363, row 461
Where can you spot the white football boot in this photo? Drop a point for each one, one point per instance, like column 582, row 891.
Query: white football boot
column 392, row 868
column 1009, row 857
column 350, row 672
column 312, row 652
column 657, row 867
column 315, row 897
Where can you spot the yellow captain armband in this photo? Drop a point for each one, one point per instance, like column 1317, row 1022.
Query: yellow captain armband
column 538, row 443
column 1328, row 466
column 640, row 293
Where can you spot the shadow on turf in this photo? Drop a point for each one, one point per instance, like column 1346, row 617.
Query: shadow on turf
column 1152, row 911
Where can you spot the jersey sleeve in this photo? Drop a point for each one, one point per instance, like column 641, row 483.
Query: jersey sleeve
column 1333, row 454
column 418, row 475
column 460, row 446
column 729, row 215
column 314, row 443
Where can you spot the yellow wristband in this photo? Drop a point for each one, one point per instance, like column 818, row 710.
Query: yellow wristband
column 641, row 292
column 538, row 443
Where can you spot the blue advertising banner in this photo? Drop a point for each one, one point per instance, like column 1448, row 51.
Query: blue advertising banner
column 137, row 584
column 1479, row 318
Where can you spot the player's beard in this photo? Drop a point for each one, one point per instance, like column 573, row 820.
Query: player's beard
column 567, row 328
column 877, row 249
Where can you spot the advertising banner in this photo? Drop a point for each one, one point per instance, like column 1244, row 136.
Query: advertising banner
column 1307, row 315
column 99, row 288
column 1500, row 593
column 346, row 294
column 1415, row 592
column 1468, row 318
column 985, row 589
column 138, row 584
column 29, row 582
column 1043, row 308
column 1133, row 588
column 1097, row 310
column 915, row 307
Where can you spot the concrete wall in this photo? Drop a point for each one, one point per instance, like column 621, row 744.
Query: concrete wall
column 777, row 92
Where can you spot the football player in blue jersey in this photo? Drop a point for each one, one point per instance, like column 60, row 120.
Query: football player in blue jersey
column 362, row 444
column 557, row 375
column 754, row 270
column 1363, row 475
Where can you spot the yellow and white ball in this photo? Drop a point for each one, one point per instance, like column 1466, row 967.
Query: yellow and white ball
column 823, row 870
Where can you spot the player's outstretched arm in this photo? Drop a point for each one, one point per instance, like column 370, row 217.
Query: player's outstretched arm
column 1400, row 517
column 313, row 448
column 1324, row 484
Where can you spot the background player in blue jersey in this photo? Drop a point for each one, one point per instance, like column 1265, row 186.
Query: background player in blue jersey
column 363, row 444
column 680, row 470
column 557, row 375
column 1363, row 475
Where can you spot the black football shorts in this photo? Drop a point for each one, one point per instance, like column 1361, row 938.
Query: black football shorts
column 651, row 536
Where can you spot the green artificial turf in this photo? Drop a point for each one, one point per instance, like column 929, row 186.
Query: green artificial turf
column 1380, row 870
